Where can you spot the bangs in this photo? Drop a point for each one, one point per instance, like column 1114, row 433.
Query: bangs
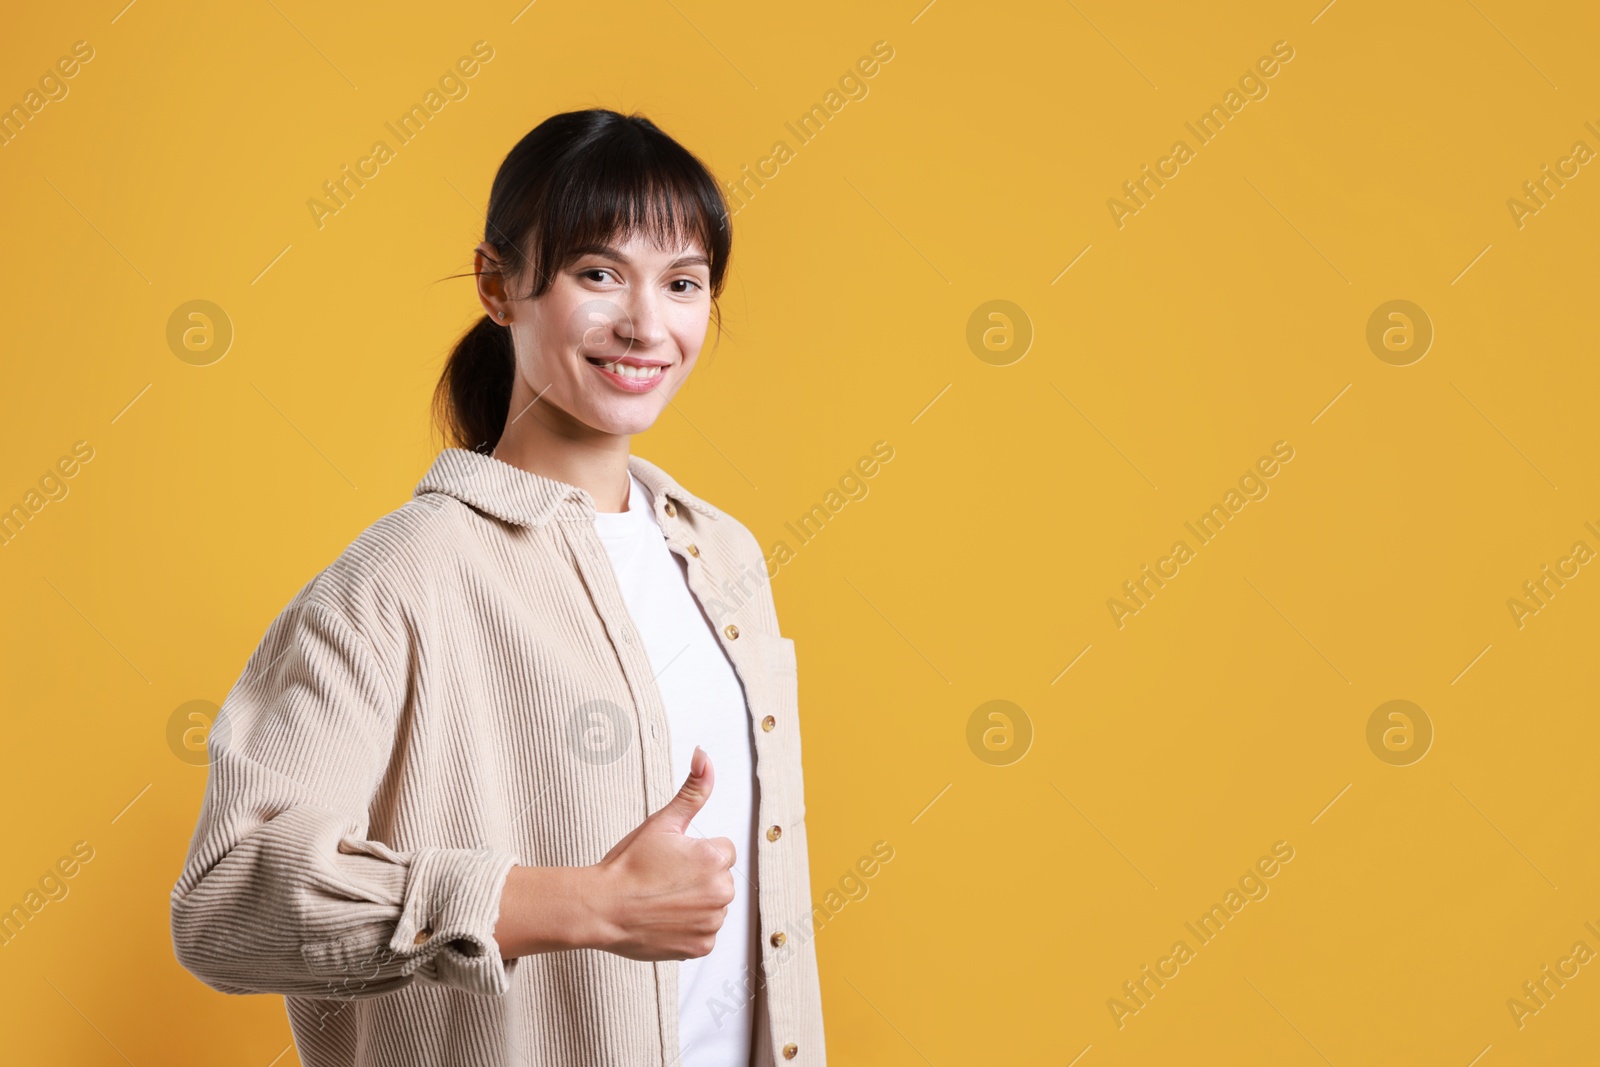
column 619, row 182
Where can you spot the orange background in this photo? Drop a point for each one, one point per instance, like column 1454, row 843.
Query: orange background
column 1041, row 861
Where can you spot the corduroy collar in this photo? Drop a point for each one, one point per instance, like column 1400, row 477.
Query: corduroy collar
column 514, row 495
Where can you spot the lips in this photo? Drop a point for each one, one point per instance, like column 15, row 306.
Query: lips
column 630, row 374
column 627, row 361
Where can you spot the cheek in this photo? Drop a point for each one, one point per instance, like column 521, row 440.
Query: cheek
column 594, row 326
column 690, row 331
column 557, row 331
column 539, row 357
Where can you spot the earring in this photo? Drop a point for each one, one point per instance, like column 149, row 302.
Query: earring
column 502, row 314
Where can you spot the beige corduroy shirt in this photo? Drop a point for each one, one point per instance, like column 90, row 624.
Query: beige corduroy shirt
column 460, row 691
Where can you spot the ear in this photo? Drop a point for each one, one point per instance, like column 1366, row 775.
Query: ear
column 492, row 293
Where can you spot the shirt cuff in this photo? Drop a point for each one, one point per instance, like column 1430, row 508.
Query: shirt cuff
column 448, row 918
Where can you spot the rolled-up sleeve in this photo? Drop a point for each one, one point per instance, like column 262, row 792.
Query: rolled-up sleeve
column 282, row 890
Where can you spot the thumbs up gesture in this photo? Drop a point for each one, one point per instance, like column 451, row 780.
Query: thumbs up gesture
column 664, row 892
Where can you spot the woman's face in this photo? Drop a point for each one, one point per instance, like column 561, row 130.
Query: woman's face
column 613, row 338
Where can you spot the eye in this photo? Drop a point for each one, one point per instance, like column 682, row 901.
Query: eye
column 595, row 270
column 686, row 281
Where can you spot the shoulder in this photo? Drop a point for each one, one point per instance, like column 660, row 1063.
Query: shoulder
column 390, row 564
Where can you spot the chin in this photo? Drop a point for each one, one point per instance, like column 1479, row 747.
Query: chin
column 625, row 423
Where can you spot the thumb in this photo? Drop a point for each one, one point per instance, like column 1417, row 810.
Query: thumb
column 674, row 818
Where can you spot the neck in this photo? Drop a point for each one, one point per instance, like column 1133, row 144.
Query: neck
column 576, row 455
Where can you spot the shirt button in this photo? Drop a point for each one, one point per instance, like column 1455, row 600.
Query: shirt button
column 768, row 723
column 422, row 935
column 670, row 510
column 778, row 939
column 790, row 1051
column 731, row 630
column 774, row 832
column 694, row 550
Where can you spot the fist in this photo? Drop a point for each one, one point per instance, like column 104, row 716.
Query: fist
column 665, row 893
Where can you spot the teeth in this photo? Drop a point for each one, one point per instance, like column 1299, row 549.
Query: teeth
column 624, row 371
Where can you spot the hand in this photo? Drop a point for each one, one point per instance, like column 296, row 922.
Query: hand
column 664, row 894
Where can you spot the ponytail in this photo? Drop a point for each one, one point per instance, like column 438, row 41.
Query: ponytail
column 474, row 392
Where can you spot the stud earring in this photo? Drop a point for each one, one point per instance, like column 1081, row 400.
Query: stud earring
column 502, row 314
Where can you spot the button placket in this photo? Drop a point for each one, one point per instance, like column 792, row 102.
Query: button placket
column 766, row 864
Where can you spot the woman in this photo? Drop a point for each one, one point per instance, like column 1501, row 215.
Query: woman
column 444, row 816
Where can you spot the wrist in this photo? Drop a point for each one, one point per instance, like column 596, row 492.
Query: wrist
column 550, row 909
column 599, row 927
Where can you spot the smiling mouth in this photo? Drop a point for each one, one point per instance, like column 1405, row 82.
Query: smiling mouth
column 621, row 369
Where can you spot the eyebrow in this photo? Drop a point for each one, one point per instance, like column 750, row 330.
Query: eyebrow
column 694, row 258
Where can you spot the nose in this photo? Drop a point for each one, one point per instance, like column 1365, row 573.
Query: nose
column 644, row 327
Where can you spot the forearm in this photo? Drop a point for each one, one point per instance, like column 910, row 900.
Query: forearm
column 298, row 907
column 548, row 909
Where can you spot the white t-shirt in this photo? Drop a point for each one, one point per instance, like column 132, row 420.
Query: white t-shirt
column 705, row 706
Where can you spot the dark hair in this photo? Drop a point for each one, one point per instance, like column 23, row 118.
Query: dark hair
column 576, row 180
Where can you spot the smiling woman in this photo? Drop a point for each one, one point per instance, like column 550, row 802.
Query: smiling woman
column 444, row 817
column 617, row 272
